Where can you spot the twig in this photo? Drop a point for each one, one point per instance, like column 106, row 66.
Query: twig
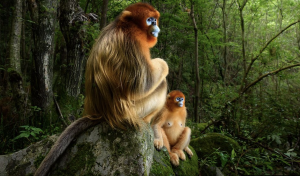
column 261, row 77
column 61, row 116
column 266, row 45
column 214, row 122
column 263, row 146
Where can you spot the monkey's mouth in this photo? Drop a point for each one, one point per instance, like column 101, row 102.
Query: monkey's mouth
column 180, row 104
column 155, row 31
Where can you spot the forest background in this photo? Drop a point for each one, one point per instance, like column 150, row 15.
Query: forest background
column 237, row 62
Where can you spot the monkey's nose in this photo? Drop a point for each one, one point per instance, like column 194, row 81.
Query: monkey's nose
column 153, row 23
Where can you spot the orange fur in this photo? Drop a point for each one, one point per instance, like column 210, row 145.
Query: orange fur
column 170, row 130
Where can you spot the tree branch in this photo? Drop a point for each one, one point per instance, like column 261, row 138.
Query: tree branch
column 267, row 44
column 261, row 77
column 263, row 146
column 60, row 114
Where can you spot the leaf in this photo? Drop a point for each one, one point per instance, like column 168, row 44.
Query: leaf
column 30, row 21
column 36, row 130
column 269, row 167
column 293, row 154
column 33, row 134
column 223, row 159
column 233, row 154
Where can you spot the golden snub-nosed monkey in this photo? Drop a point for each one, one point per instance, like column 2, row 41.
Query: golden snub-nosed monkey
column 170, row 130
column 123, row 84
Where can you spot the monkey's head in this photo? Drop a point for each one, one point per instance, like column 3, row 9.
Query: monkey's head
column 175, row 99
column 142, row 19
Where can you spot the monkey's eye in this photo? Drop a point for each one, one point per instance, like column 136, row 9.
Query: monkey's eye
column 150, row 21
column 177, row 99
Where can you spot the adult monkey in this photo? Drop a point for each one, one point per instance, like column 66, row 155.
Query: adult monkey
column 123, row 84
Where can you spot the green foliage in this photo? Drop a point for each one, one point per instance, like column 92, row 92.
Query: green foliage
column 35, row 108
column 30, row 133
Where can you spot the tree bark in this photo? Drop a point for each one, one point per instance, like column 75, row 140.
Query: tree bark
column 241, row 7
column 224, row 41
column 43, row 14
column 103, row 14
column 71, row 23
column 15, row 40
column 15, row 78
column 197, row 83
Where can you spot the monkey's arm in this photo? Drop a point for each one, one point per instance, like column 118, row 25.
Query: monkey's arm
column 63, row 142
column 158, row 131
column 159, row 71
column 158, row 139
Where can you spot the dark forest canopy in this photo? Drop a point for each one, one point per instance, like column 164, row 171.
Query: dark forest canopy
column 242, row 78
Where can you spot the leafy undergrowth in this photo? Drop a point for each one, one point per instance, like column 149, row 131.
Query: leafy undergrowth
column 254, row 158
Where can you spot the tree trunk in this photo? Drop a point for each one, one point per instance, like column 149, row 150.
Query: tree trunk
column 43, row 13
column 71, row 24
column 15, row 40
column 103, row 14
column 15, row 78
column 224, row 41
column 197, row 83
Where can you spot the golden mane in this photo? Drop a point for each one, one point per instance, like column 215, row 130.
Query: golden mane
column 116, row 71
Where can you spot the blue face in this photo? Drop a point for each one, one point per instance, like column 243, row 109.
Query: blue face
column 180, row 101
column 151, row 21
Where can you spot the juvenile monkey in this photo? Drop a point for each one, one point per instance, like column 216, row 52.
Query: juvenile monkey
column 170, row 130
column 123, row 84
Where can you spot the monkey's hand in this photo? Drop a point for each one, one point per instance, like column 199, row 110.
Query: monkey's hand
column 158, row 143
column 174, row 159
column 180, row 153
column 189, row 152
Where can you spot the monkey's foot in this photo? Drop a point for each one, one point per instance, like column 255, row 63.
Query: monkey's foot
column 158, row 143
column 179, row 153
column 174, row 159
column 189, row 152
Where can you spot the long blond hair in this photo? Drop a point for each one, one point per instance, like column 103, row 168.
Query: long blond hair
column 116, row 71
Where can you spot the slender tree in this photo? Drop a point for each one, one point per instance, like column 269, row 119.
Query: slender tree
column 103, row 13
column 15, row 39
column 197, row 83
column 15, row 78
column 43, row 14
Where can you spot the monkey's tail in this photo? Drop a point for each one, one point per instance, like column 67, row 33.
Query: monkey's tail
column 63, row 142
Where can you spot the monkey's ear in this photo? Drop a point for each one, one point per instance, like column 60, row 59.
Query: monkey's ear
column 126, row 15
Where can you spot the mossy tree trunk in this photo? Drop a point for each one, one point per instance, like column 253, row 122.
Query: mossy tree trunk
column 15, row 39
column 73, row 27
column 43, row 14
column 14, row 70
